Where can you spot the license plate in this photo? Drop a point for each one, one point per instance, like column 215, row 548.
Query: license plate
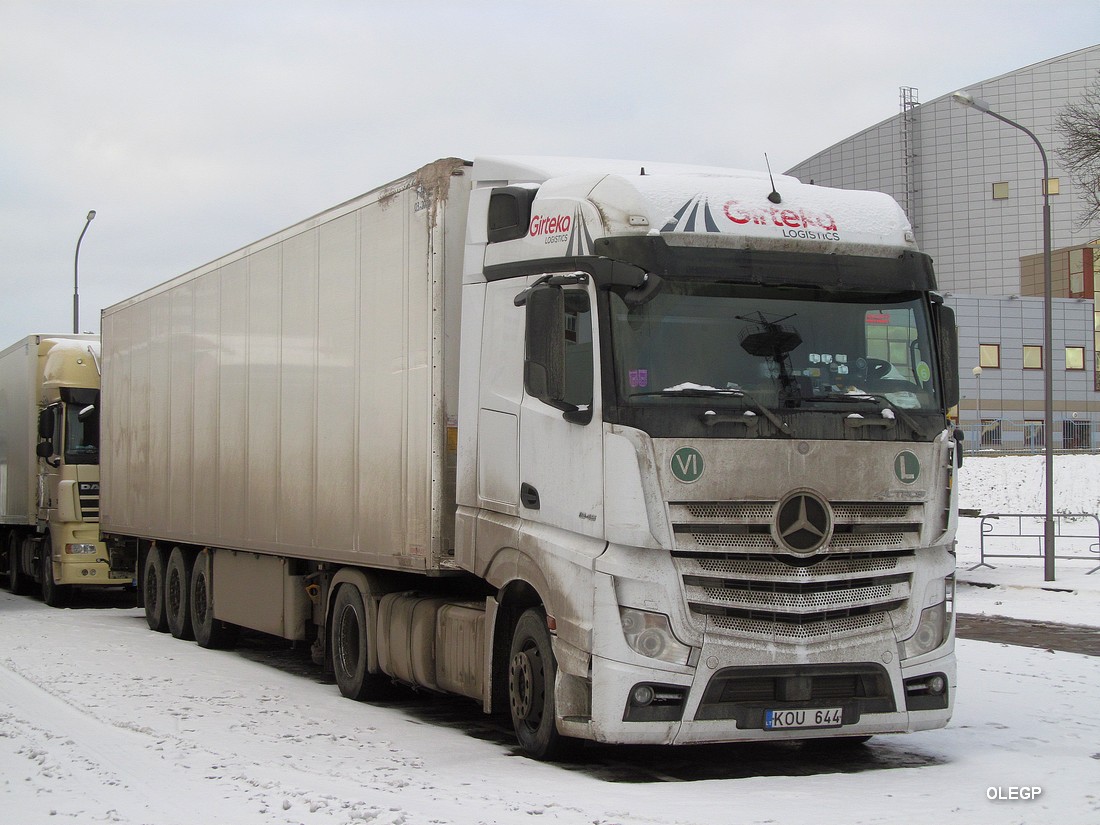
column 803, row 718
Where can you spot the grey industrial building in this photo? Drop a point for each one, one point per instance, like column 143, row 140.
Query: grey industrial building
column 973, row 189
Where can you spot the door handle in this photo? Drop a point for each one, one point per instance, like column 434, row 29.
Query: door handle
column 528, row 496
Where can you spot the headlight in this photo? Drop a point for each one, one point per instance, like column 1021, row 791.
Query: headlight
column 79, row 549
column 650, row 634
column 931, row 632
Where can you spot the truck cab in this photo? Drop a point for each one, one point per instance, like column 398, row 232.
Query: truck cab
column 710, row 431
column 64, row 548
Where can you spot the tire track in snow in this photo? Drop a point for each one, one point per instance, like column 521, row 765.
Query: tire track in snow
column 59, row 740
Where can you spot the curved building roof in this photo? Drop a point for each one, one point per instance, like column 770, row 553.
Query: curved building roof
column 972, row 185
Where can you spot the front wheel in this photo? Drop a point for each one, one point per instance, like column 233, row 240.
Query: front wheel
column 531, row 674
column 53, row 594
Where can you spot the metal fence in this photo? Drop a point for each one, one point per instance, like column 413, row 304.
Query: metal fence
column 1021, row 536
column 998, row 436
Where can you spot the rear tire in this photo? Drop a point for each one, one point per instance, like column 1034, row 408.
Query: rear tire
column 209, row 632
column 349, row 635
column 177, row 594
column 152, row 589
column 532, row 671
column 18, row 581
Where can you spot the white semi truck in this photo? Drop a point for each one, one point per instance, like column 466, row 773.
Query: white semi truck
column 638, row 453
column 49, row 469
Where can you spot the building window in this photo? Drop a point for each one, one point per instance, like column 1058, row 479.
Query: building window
column 1051, row 186
column 989, row 356
column 1075, row 358
column 1076, row 272
column 1033, row 357
column 1000, row 191
column 1096, row 347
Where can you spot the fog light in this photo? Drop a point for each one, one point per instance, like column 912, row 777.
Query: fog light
column 655, row 703
column 643, row 695
column 926, row 692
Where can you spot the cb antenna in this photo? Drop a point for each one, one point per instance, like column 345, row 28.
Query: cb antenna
column 774, row 197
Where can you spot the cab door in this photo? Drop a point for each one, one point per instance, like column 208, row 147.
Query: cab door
column 561, row 434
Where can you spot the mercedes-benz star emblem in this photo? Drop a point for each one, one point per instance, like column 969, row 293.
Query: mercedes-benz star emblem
column 803, row 523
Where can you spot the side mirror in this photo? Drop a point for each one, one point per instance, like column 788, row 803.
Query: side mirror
column 947, row 340
column 44, row 449
column 45, row 424
column 544, row 357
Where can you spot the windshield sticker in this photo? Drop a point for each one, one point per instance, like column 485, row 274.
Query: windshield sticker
column 924, row 372
column 906, row 467
column 639, row 378
column 687, row 465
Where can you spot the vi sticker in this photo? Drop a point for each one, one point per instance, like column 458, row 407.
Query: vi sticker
column 687, row 464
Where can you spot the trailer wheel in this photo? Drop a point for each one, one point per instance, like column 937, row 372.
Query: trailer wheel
column 177, row 594
column 349, row 646
column 152, row 590
column 5, row 556
column 53, row 594
column 209, row 632
column 531, row 673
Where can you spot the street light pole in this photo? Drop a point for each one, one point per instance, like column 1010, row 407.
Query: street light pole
column 76, row 279
column 978, row 408
column 967, row 99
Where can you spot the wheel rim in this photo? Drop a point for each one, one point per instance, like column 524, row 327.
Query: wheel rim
column 200, row 605
column 526, row 676
column 174, row 592
column 347, row 647
column 152, row 585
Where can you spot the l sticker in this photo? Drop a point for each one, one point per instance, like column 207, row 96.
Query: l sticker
column 906, row 467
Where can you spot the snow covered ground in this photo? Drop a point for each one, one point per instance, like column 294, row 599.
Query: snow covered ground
column 103, row 721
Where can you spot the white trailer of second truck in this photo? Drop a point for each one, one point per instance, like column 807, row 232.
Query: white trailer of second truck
column 635, row 452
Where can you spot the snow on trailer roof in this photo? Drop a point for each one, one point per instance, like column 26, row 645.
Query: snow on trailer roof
column 536, row 169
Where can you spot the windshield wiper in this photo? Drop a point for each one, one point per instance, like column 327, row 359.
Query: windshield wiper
column 869, row 397
column 710, row 418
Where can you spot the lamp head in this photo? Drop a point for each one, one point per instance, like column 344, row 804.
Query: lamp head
column 964, row 98
column 91, row 214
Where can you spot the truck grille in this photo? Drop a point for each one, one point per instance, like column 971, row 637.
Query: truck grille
column 842, row 578
column 88, row 493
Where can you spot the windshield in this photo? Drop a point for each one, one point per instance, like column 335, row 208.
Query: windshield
column 748, row 347
column 81, row 434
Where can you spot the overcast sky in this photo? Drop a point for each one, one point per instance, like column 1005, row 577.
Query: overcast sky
column 194, row 127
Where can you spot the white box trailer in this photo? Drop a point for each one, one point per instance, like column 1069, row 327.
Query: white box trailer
column 635, row 452
column 20, row 383
column 294, row 397
column 49, row 468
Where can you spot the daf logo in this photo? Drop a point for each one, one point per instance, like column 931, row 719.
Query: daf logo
column 803, row 523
